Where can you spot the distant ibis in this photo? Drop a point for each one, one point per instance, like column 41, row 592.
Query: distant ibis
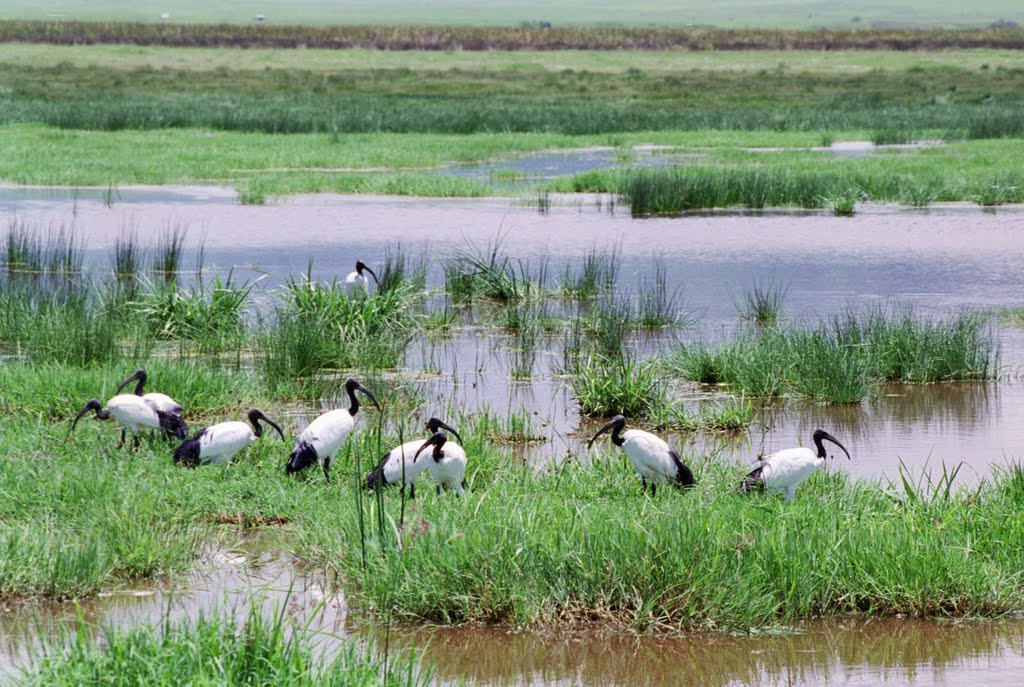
column 320, row 441
column 400, row 462
column 447, row 463
column 134, row 414
column 785, row 470
column 218, row 443
column 654, row 461
column 162, row 402
column 357, row 283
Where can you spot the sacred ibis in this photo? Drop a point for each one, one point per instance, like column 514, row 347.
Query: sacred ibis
column 785, row 470
column 218, row 443
column 654, row 461
column 400, row 462
column 320, row 441
column 134, row 414
column 357, row 283
column 448, row 469
column 163, row 402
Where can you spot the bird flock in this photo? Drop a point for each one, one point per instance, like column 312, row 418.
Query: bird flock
column 653, row 459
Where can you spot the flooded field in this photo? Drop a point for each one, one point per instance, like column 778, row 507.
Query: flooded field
column 940, row 261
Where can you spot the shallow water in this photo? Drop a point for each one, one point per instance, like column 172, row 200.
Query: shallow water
column 939, row 261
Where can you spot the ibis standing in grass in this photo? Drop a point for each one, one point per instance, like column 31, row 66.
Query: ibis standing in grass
column 320, row 441
column 162, row 402
column 446, row 463
column 218, row 443
column 399, row 465
column 357, row 283
column 654, row 461
column 134, row 414
column 785, row 470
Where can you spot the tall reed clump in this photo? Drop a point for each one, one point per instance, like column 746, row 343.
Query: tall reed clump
column 596, row 275
column 762, row 302
column 708, row 558
column 669, row 191
column 212, row 315
column 605, row 386
column 319, row 327
column 475, row 273
column 215, row 649
column 402, row 272
column 903, row 347
column 839, row 361
column 79, row 323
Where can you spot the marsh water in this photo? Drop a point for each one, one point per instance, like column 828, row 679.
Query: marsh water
column 938, row 261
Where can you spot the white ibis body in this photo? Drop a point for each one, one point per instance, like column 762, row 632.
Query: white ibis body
column 356, row 282
column 399, row 465
column 135, row 414
column 162, row 402
column 218, row 443
column 446, row 463
column 653, row 459
column 785, row 470
column 320, row 441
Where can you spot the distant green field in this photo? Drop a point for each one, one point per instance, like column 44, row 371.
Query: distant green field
column 646, row 13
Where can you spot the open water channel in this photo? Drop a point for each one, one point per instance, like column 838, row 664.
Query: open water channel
column 939, row 261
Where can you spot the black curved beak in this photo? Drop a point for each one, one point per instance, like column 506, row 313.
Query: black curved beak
column 372, row 274
column 436, row 439
column 433, row 424
column 611, row 425
column 137, row 375
column 92, row 404
column 256, row 415
column 828, row 437
column 369, row 394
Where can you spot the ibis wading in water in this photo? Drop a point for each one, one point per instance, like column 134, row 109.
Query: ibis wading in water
column 217, row 443
column 357, row 283
column 785, row 470
column 654, row 461
column 448, row 467
column 400, row 462
column 320, row 441
column 135, row 413
column 163, row 402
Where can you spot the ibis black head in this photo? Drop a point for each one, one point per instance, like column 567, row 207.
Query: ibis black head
column 139, row 375
column 820, row 435
column 434, row 424
column 616, row 425
column 351, row 386
column 255, row 415
column 437, row 440
column 94, row 405
column 360, row 266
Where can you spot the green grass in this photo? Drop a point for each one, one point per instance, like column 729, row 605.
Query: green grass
column 576, row 541
column 839, row 361
column 216, row 649
column 580, row 543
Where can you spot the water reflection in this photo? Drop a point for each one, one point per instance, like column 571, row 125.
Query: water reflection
column 842, row 652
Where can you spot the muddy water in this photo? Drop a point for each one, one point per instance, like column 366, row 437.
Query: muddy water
column 938, row 261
